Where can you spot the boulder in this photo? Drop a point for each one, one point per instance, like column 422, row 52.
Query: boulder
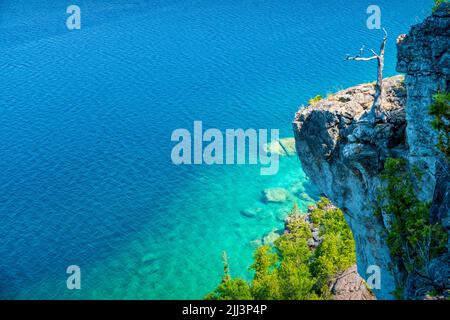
column 252, row 212
column 275, row 195
column 349, row 285
column 271, row 237
column 256, row 243
column 283, row 147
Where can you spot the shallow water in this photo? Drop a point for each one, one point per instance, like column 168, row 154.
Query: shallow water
column 85, row 124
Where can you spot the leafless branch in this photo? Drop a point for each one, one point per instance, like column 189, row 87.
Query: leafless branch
column 364, row 59
column 359, row 56
column 374, row 53
column 385, row 34
column 376, row 112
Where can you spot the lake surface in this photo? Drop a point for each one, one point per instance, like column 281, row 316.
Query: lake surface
column 86, row 117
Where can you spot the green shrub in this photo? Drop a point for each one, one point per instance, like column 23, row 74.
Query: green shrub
column 411, row 236
column 265, row 285
column 437, row 3
column 440, row 110
column 313, row 101
column 291, row 270
column 231, row 289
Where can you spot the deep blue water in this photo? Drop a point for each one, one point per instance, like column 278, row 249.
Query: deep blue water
column 86, row 117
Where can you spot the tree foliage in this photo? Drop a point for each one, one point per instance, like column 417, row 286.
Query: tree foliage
column 315, row 100
column 437, row 3
column 411, row 236
column 230, row 289
column 291, row 270
column 440, row 110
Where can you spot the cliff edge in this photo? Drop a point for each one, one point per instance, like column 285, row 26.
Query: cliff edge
column 344, row 155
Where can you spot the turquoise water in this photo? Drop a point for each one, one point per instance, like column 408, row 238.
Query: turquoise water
column 86, row 118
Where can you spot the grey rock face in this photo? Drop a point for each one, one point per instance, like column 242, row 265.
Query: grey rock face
column 349, row 286
column 423, row 54
column 343, row 154
column 437, row 277
column 440, row 209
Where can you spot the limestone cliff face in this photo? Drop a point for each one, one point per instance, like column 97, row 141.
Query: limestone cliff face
column 344, row 154
column 423, row 54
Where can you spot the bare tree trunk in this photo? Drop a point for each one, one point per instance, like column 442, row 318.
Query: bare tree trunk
column 376, row 111
column 378, row 98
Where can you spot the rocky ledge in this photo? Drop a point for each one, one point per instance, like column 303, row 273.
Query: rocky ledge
column 349, row 285
column 343, row 153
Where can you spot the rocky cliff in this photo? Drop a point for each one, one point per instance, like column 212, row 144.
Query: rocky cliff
column 423, row 55
column 344, row 154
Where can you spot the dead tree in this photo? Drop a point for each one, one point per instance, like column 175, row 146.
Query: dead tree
column 375, row 112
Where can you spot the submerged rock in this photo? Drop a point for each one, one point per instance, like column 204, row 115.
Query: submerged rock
column 252, row 212
column 306, row 198
column 275, row 195
column 297, row 187
column 274, row 147
column 283, row 213
column 288, row 145
column 149, row 258
column 283, row 147
column 271, row 237
column 256, row 243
